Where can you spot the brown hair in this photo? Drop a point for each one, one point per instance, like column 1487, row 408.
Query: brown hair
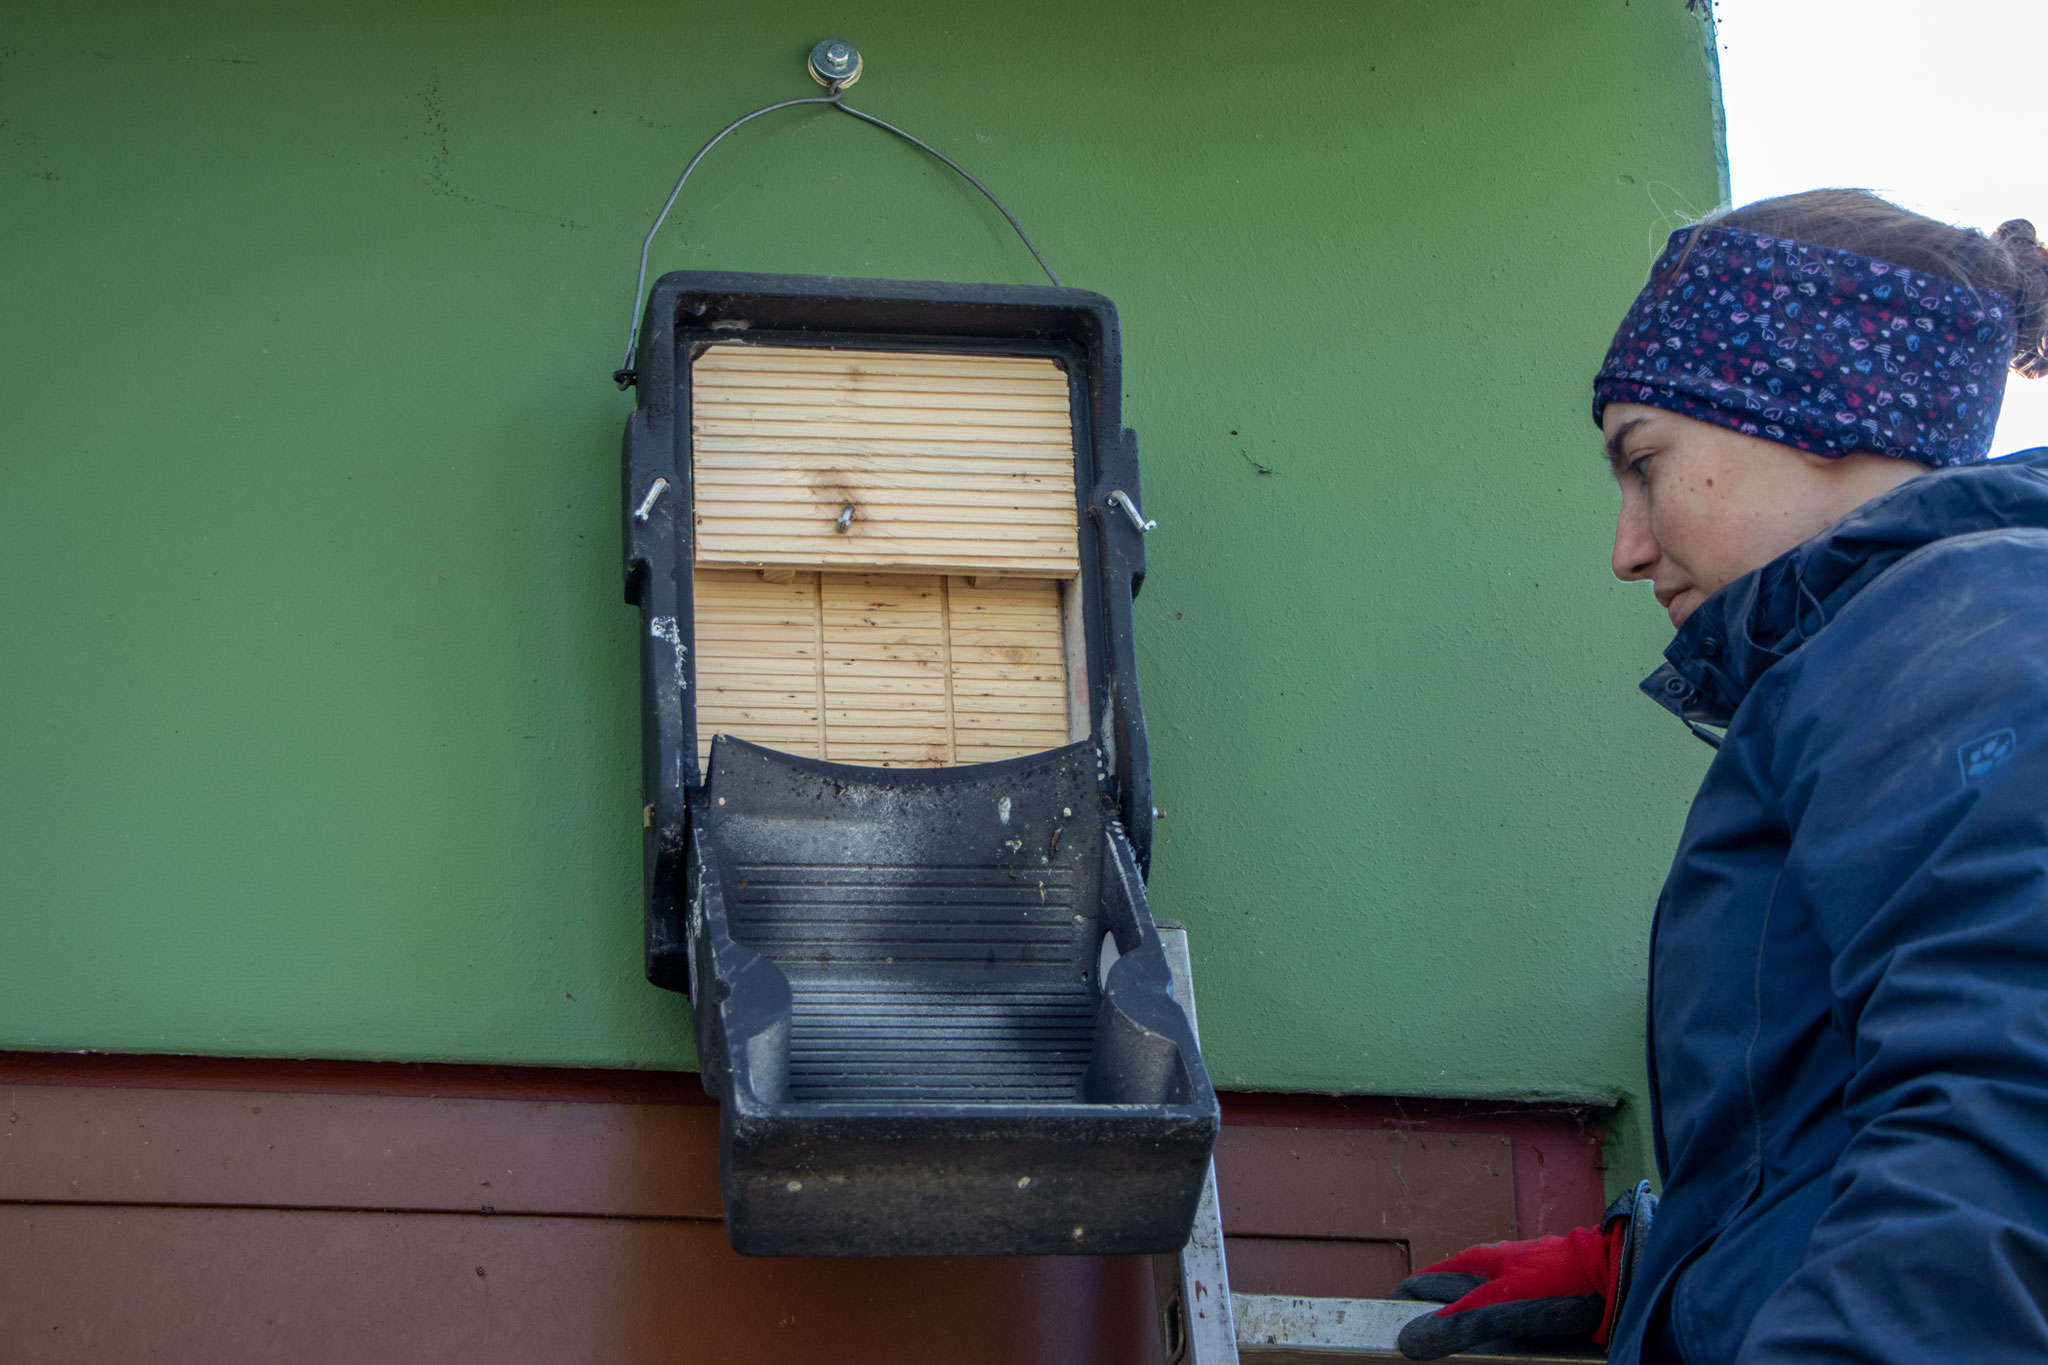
column 2010, row 261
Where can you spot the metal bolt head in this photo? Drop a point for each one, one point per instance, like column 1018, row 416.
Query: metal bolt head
column 835, row 61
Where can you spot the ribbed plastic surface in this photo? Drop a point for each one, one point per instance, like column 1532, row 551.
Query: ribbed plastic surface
column 956, row 984
column 1011, row 1048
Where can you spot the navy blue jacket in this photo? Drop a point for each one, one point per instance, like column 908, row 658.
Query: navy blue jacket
column 1849, row 970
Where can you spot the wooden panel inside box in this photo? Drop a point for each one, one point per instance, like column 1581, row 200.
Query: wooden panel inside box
column 885, row 551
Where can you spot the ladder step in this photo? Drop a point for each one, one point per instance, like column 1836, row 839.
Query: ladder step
column 1279, row 1329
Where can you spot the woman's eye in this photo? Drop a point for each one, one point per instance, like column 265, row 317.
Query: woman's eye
column 1640, row 466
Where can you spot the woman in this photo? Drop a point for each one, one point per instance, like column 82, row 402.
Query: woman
column 1848, row 1032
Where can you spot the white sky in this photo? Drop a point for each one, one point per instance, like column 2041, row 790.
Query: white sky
column 1935, row 104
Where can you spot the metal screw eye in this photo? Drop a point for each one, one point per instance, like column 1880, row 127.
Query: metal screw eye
column 654, row 492
column 1123, row 500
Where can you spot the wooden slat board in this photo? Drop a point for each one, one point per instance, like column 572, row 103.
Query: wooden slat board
column 757, row 660
column 1009, row 668
column 952, row 463
column 891, row 670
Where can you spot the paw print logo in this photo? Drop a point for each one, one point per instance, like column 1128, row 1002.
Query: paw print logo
column 1981, row 755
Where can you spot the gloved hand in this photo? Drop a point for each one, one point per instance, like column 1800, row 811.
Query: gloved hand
column 1548, row 1288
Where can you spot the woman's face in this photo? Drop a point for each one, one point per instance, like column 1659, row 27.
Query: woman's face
column 1701, row 505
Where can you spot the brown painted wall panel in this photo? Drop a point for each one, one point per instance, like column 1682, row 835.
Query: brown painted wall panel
column 132, row 1283
column 1315, row 1267
column 1558, row 1169
column 97, row 1144
column 1438, row 1192
column 223, row 1210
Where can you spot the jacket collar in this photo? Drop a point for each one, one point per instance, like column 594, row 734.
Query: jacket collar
column 1734, row 637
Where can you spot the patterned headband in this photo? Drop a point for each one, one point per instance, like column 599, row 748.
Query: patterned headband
column 1814, row 348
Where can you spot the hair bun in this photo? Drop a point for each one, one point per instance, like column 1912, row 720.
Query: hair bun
column 2018, row 231
column 2030, row 268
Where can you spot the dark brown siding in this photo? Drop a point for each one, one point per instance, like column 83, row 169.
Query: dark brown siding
column 175, row 1209
column 1343, row 1197
column 104, row 1282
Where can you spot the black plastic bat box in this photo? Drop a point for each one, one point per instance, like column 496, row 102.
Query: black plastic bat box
column 884, row 538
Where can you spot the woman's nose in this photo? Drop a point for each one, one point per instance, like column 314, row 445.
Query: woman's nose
column 1635, row 549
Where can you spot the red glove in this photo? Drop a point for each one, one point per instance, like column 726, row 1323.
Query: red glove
column 1567, row 1286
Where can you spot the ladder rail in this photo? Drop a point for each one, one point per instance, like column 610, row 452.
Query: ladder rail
column 1197, row 1324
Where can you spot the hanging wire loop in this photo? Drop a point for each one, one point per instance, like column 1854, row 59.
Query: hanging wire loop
column 962, row 171
column 625, row 376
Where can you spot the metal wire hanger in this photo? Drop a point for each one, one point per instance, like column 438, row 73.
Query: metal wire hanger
column 835, row 65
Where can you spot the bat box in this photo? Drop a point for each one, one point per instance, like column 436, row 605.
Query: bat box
column 884, row 538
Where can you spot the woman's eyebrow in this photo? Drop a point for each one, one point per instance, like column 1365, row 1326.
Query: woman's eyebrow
column 1614, row 442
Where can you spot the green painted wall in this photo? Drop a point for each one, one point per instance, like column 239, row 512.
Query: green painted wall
column 318, row 695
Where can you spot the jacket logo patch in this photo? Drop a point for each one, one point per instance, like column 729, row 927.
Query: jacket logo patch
column 1981, row 755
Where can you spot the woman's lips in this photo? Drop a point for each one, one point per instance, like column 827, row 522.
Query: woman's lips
column 1667, row 598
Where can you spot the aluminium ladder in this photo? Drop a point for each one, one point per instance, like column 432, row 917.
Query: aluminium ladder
column 1201, row 1322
